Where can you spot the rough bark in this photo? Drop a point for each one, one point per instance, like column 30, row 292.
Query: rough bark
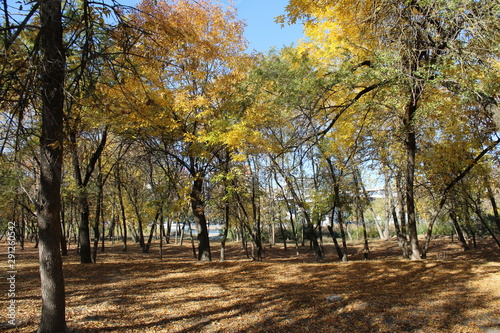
column 411, row 149
column 52, row 74
column 402, row 216
column 198, row 208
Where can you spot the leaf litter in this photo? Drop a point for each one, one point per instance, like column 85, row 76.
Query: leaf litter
column 135, row 292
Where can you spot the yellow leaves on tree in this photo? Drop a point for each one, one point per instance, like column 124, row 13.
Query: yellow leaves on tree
column 191, row 59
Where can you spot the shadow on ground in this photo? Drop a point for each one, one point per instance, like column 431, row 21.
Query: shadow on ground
column 135, row 292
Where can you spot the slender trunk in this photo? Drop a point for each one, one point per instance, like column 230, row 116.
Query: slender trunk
column 411, row 149
column 310, row 234
column 83, row 205
column 272, row 234
column 162, row 227
column 141, row 231
column 84, row 230
column 98, row 212
column 112, row 225
column 336, row 190
column 96, row 238
column 396, row 224
column 226, row 207
column 460, row 234
column 226, row 230
column 193, row 247
column 332, row 234
column 51, row 152
column 23, row 230
column 151, row 234
column 242, row 232
column 198, row 208
column 485, row 224
column 122, row 208
column 82, row 182
column 64, row 243
column 410, row 196
column 491, row 196
column 103, row 231
column 168, row 231
column 366, row 248
column 283, row 234
column 139, row 234
column 342, row 235
column 402, row 216
column 257, row 237
column 181, row 233
column 360, row 212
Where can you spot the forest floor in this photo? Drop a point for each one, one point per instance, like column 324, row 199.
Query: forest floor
column 451, row 291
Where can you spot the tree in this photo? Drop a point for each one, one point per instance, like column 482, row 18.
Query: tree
column 52, row 73
column 183, row 106
column 82, row 182
column 431, row 46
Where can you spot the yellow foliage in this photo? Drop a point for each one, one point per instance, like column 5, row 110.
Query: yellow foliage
column 191, row 60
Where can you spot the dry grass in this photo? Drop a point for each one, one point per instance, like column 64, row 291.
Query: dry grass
column 135, row 292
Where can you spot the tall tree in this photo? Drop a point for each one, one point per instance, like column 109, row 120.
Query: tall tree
column 82, row 182
column 416, row 42
column 191, row 53
column 52, row 73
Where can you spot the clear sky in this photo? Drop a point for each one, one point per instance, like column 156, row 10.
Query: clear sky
column 261, row 31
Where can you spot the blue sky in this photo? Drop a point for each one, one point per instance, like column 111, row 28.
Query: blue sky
column 261, row 31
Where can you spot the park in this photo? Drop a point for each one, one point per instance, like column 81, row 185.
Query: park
column 157, row 173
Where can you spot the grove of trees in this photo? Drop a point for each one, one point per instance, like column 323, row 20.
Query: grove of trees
column 122, row 123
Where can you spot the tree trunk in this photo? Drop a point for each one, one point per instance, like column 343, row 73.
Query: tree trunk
column 491, row 196
column 98, row 212
column 168, row 231
column 283, row 233
column 193, row 247
column 150, row 238
column 342, row 235
column 162, row 227
column 410, row 180
column 257, row 235
column 313, row 237
column 52, row 74
column 84, row 233
column 402, row 216
column 226, row 230
column 82, row 182
column 122, row 208
column 332, row 234
column 360, row 212
column 485, row 224
column 142, row 244
column 460, row 234
column 198, row 208
column 64, row 242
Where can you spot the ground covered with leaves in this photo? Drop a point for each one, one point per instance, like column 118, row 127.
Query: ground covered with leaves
column 451, row 291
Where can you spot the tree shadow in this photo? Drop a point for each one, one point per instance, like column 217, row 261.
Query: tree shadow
column 139, row 293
